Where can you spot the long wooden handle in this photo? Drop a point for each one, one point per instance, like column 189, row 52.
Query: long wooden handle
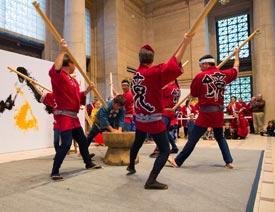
column 201, row 17
column 180, row 102
column 29, row 79
column 87, row 117
column 58, row 38
column 185, row 63
column 241, row 45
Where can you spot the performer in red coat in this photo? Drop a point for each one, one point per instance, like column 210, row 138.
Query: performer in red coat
column 209, row 87
column 170, row 96
column 147, row 87
column 68, row 100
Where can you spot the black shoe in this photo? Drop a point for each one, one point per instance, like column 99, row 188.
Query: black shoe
column 57, row 177
column 93, row 166
column 130, row 171
column 92, row 155
column 174, row 151
column 156, row 185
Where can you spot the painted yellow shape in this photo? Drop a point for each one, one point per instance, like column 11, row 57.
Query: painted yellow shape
column 21, row 118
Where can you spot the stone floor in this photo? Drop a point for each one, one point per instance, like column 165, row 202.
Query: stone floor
column 265, row 200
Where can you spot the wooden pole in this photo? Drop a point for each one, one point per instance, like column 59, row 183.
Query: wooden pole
column 184, row 64
column 180, row 102
column 111, row 85
column 201, row 17
column 241, row 45
column 58, row 38
column 29, row 79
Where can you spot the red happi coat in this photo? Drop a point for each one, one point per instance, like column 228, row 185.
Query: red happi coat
column 232, row 108
column 209, row 87
column 170, row 97
column 184, row 113
column 129, row 106
column 67, row 96
column 242, row 126
column 147, row 87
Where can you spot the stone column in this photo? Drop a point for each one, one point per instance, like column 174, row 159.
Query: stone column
column 264, row 54
column 74, row 29
column 74, row 34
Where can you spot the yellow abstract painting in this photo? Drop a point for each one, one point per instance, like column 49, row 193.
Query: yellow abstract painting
column 24, row 117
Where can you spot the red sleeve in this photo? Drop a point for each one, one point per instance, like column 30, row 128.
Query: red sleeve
column 195, row 86
column 168, row 72
column 55, row 74
column 231, row 75
column 82, row 98
column 47, row 99
column 229, row 109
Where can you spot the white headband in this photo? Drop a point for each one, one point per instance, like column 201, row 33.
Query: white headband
column 207, row 60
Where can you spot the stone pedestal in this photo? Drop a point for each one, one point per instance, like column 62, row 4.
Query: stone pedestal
column 118, row 153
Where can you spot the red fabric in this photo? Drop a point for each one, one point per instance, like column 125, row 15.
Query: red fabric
column 129, row 105
column 248, row 111
column 170, row 96
column 242, row 130
column 148, row 47
column 230, row 109
column 174, row 121
column 233, row 107
column 99, row 139
column 67, row 96
column 209, row 87
column 48, row 99
column 147, row 87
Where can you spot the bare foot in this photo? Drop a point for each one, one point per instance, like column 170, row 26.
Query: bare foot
column 229, row 166
column 172, row 163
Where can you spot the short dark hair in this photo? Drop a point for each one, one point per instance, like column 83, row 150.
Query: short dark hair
column 208, row 56
column 146, row 56
column 233, row 97
column 119, row 99
column 66, row 61
column 125, row 81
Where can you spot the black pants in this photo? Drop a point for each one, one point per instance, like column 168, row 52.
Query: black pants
column 161, row 140
column 66, row 140
column 251, row 126
column 185, row 130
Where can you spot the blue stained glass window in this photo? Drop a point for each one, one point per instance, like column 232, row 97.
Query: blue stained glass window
column 230, row 33
column 241, row 87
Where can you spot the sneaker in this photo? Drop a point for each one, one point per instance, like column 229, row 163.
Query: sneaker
column 174, row 151
column 156, row 186
column 92, row 155
column 57, row 177
column 131, row 171
column 93, row 166
column 172, row 163
column 229, row 166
